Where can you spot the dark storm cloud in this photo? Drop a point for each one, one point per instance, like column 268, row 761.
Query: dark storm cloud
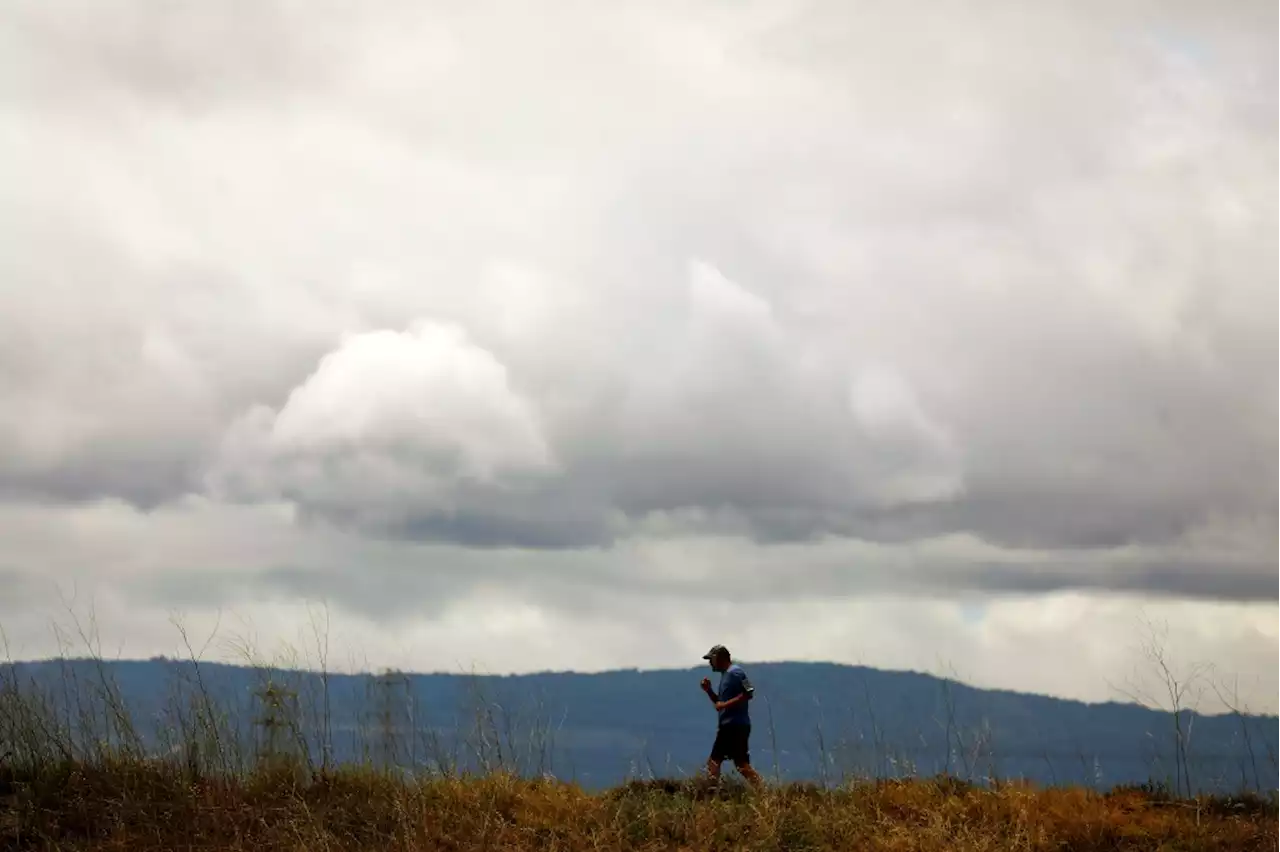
column 182, row 54
column 546, row 519
column 142, row 475
column 1248, row 581
column 390, row 581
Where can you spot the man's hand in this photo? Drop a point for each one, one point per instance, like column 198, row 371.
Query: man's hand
column 721, row 705
column 706, row 684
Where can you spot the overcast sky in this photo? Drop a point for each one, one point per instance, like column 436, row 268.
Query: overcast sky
column 937, row 336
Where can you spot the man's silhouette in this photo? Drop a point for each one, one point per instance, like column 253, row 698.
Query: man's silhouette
column 733, row 734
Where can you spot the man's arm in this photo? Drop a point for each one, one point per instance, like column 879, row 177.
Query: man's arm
column 732, row 702
column 745, row 691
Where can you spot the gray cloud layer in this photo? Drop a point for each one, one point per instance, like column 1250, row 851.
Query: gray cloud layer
column 779, row 271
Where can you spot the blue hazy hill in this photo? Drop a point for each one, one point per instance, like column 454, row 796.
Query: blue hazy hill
column 811, row 721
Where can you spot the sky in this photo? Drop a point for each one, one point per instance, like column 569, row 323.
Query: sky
column 516, row 337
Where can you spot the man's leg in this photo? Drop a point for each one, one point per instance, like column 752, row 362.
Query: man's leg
column 750, row 774
column 742, row 756
column 719, row 751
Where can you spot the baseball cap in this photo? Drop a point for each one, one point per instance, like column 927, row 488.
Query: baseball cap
column 715, row 650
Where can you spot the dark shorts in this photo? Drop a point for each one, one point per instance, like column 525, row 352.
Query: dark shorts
column 732, row 744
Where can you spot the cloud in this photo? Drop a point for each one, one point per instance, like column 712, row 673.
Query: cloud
column 397, row 432
column 422, row 433
column 859, row 301
column 263, row 580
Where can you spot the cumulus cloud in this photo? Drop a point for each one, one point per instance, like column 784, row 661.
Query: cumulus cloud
column 394, row 430
column 423, row 433
column 925, row 304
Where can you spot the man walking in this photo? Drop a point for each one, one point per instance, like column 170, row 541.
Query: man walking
column 734, row 731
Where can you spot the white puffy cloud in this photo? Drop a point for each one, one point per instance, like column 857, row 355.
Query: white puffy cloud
column 388, row 426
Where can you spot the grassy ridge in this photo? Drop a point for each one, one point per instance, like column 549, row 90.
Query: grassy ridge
column 139, row 805
column 76, row 773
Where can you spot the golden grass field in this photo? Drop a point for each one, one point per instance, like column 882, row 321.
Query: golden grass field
column 134, row 806
column 78, row 776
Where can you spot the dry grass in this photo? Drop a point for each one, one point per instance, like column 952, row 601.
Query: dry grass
column 75, row 774
column 131, row 805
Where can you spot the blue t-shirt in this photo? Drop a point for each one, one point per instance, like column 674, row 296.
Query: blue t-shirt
column 733, row 682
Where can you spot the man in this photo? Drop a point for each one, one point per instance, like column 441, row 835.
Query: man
column 734, row 731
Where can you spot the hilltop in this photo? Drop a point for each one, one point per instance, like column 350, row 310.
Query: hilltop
column 813, row 722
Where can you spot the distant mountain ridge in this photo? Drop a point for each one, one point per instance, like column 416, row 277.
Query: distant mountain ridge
column 811, row 721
